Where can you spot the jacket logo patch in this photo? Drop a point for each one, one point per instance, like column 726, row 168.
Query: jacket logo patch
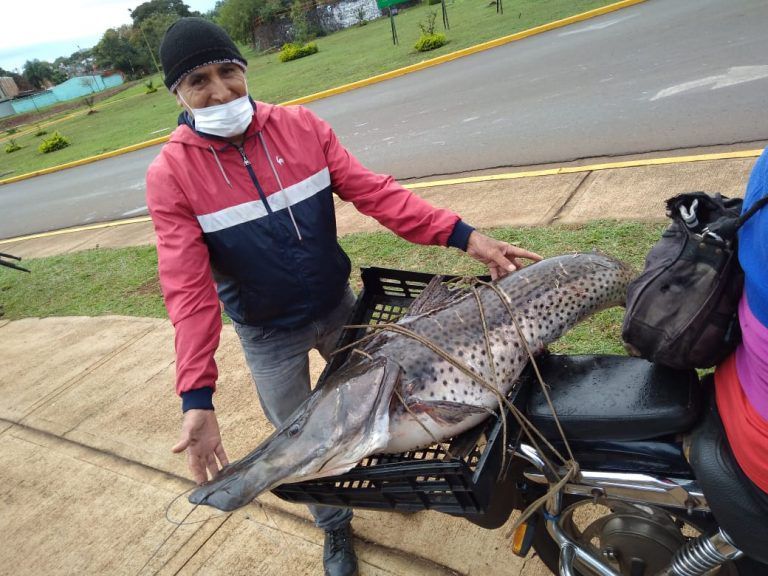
column 280, row 160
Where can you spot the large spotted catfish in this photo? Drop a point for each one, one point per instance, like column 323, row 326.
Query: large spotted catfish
column 398, row 393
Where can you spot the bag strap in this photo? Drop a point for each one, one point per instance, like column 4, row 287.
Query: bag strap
column 749, row 213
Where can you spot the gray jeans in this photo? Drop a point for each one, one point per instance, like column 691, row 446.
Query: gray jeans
column 279, row 363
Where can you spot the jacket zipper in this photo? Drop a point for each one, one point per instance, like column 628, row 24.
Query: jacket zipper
column 247, row 164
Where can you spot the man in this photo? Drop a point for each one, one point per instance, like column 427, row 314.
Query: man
column 241, row 198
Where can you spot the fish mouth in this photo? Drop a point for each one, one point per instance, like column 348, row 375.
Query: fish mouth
column 226, row 494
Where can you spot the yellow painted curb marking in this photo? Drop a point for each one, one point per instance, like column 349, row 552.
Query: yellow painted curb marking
column 85, row 228
column 361, row 83
column 591, row 168
column 467, row 180
column 118, row 152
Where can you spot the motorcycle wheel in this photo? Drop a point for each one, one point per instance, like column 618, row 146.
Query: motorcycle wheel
column 617, row 531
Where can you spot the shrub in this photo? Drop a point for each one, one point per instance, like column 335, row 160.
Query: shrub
column 428, row 27
column 151, row 88
column 89, row 100
column 40, row 132
column 429, row 39
column 11, row 146
column 430, row 42
column 11, row 131
column 360, row 16
column 292, row 51
column 55, row 142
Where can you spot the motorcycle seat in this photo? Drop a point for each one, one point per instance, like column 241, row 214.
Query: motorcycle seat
column 609, row 397
column 740, row 507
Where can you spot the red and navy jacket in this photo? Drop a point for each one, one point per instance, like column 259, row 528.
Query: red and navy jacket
column 254, row 226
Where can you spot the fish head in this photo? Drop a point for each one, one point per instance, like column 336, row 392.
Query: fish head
column 328, row 434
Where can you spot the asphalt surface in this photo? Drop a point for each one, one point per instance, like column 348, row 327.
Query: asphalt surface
column 661, row 75
column 106, row 190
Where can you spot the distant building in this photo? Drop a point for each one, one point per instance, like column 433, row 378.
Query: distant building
column 8, row 88
column 69, row 90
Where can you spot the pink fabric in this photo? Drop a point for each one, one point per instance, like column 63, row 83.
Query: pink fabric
column 752, row 359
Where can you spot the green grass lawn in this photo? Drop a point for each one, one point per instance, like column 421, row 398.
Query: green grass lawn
column 124, row 281
column 353, row 54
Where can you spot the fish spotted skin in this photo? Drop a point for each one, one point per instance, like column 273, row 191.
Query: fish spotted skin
column 397, row 395
column 548, row 298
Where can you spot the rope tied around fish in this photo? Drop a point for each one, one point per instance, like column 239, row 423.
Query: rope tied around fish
column 389, row 396
column 569, row 469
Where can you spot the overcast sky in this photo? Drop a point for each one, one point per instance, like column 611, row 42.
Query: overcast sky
column 46, row 29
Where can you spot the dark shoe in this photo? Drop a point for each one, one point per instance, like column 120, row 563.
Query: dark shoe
column 339, row 558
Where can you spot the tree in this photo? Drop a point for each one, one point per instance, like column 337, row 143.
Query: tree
column 152, row 30
column 163, row 7
column 213, row 14
column 237, row 17
column 299, row 21
column 75, row 64
column 38, row 72
column 118, row 49
column 80, row 62
column 58, row 76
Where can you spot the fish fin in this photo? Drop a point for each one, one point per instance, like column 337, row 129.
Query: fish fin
column 435, row 295
column 446, row 412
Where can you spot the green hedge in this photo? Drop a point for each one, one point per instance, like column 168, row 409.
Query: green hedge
column 430, row 42
column 55, row 142
column 11, row 147
column 292, row 51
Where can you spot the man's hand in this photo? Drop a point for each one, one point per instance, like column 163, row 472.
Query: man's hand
column 500, row 257
column 201, row 439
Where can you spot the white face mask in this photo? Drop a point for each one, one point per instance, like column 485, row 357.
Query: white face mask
column 225, row 120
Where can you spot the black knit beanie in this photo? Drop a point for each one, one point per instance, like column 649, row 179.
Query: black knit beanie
column 193, row 42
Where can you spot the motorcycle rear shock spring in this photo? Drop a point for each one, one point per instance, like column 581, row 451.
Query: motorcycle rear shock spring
column 702, row 554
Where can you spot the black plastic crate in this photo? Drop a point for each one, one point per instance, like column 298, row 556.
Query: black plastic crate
column 425, row 479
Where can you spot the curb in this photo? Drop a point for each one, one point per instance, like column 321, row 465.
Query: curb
column 360, row 83
column 590, row 168
column 455, row 181
column 60, row 167
column 114, row 223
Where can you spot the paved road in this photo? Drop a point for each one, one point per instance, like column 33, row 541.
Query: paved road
column 664, row 74
column 110, row 189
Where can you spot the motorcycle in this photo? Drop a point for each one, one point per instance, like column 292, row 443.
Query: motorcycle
column 657, row 491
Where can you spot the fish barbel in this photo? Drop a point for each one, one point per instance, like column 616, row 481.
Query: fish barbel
column 397, row 394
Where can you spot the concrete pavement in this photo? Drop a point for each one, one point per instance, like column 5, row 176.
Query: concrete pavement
column 88, row 416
